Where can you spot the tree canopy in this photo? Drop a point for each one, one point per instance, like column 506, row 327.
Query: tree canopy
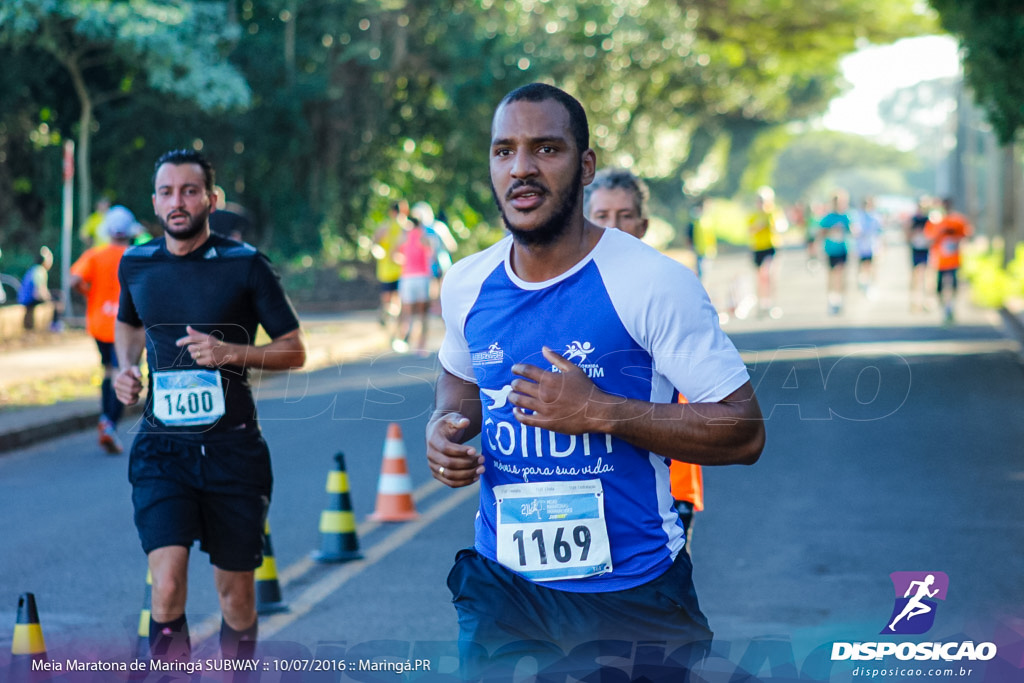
column 109, row 51
column 991, row 34
column 317, row 114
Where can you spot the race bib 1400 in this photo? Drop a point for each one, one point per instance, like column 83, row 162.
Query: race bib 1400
column 188, row 397
column 553, row 530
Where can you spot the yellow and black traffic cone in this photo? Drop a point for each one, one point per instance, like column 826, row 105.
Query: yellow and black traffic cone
column 142, row 647
column 268, row 588
column 338, row 540
column 27, row 645
column 394, row 488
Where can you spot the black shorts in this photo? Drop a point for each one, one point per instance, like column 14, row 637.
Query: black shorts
column 836, row 261
column 918, row 257
column 946, row 276
column 504, row 617
column 389, row 286
column 217, row 493
column 108, row 356
column 762, row 255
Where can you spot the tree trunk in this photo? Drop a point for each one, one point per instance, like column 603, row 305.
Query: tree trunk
column 289, row 42
column 84, row 133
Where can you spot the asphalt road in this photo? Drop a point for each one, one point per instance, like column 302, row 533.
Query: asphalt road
column 893, row 445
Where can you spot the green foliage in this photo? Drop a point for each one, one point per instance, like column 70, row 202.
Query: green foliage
column 809, row 165
column 317, row 115
column 993, row 284
column 991, row 33
column 103, row 52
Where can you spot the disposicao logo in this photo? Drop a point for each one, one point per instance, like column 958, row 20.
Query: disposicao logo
column 913, row 613
column 916, row 595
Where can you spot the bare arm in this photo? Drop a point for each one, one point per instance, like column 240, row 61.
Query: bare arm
column 77, row 283
column 725, row 433
column 456, row 419
column 283, row 353
column 129, row 343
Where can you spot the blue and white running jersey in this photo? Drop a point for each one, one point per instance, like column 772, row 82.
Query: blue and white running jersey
column 639, row 325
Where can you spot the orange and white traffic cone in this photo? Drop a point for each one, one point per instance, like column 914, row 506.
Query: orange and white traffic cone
column 28, row 645
column 394, row 488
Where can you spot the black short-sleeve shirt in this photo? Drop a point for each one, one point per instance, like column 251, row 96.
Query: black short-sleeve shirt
column 224, row 288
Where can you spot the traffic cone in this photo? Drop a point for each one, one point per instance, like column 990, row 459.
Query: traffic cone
column 394, row 489
column 27, row 645
column 338, row 540
column 268, row 589
column 142, row 647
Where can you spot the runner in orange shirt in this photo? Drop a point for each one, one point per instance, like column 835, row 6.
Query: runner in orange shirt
column 946, row 236
column 94, row 275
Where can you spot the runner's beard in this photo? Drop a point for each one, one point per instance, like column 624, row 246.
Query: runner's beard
column 195, row 226
column 550, row 230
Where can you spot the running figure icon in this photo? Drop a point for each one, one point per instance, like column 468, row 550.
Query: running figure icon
column 915, row 606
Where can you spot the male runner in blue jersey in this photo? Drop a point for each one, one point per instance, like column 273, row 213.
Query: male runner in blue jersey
column 564, row 343
column 199, row 466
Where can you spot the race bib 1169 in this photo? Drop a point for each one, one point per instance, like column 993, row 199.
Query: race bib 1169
column 553, row 530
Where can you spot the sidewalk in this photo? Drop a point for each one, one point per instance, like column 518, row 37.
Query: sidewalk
column 330, row 339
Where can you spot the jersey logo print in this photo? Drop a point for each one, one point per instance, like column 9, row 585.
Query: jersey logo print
column 492, row 356
column 578, row 350
column 210, row 253
column 498, row 396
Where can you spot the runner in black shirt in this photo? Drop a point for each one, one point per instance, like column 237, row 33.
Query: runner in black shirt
column 199, row 467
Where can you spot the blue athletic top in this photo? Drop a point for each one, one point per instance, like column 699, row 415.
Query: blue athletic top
column 837, row 229
column 639, row 325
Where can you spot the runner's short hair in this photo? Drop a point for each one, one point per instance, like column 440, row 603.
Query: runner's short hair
column 179, row 157
column 540, row 92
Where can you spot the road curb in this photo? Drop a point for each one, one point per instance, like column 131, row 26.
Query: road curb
column 32, row 434
column 1014, row 322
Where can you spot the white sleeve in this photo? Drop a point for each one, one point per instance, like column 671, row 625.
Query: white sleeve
column 459, row 291
column 670, row 315
column 454, row 352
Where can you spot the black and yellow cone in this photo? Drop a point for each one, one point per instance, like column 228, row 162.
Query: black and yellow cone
column 142, row 648
column 27, row 645
column 338, row 540
column 268, row 588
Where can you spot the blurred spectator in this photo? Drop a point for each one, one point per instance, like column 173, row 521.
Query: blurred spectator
column 94, row 275
column 835, row 231
column 867, row 229
column 946, row 236
column 917, row 238
column 415, row 253
column 389, row 272
column 35, row 289
column 761, row 228
column 229, row 218
column 91, row 233
column 231, row 224
column 439, row 234
column 700, row 235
